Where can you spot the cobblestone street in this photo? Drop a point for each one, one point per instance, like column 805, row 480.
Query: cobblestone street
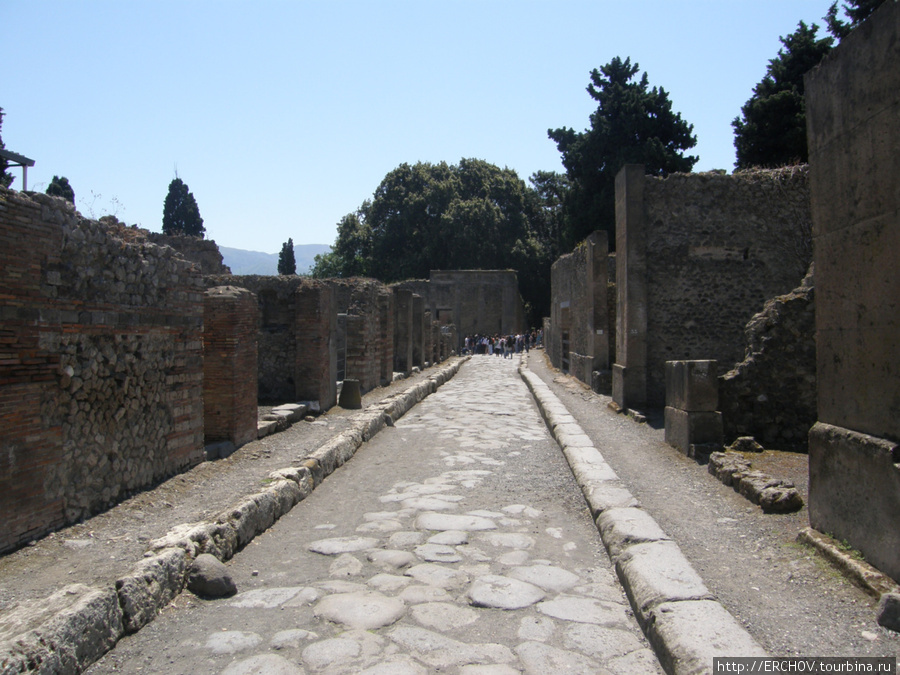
column 455, row 542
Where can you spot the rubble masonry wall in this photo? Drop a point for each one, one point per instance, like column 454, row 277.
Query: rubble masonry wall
column 100, row 365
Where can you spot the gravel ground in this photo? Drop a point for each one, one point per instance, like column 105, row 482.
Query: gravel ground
column 101, row 549
column 787, row 597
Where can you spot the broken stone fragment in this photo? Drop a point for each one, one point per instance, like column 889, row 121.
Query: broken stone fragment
column 746, row 444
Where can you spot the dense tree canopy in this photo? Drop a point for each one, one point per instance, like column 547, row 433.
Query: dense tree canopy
column 426, row 217
column 287, row 262
column 59, row 187
column 771, row 130
column 181, row 215
column 6, row 178
column 632, row 124
column 855, row 10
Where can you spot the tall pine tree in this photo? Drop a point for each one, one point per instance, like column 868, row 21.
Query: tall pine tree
column 771, row 130
column 181, row 215
column 287, row 263
column 632, row 124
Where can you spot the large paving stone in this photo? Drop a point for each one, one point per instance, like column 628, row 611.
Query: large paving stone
column 446, row 521
column 584, row 610
column 541, row 659
column 547, row 577
column 441, row 652
column 500, row 592
column 364, row 610
column 432, row 574
column 338, row 545
column 443, row 615
column 263, row 664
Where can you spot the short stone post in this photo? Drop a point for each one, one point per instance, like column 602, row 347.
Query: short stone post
column 692, row 395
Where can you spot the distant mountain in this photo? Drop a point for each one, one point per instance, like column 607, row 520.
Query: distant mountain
column 255, row 262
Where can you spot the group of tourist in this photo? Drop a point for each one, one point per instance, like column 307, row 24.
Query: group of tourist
column 502, row 345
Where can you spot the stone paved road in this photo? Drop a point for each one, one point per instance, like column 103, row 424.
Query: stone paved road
column 454, row 542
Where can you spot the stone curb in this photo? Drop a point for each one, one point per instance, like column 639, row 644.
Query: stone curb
column 84, row 623
column 868, row 578
column 685, row 625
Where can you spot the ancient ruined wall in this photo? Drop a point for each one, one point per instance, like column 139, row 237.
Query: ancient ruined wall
column 475, row 301
column 697, row 256
column 204, row 252
column 100, row 365
column 282, row 322
column 230, row 391
column 771, row 394
column 369, row 323
column 277, row 344
column 578, row 313
column 853, row 126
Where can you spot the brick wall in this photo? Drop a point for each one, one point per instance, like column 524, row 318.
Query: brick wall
column 230, row 391
column 100, row 365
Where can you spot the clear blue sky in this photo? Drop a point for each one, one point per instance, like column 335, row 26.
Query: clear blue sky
column 283, row 116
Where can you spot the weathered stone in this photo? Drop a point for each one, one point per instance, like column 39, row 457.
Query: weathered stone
column 231, row 641
column 208, row 577
column 340, row 545
column 266, row 598
column 263, row 664
column 366, row 610
column 547, row 577
column 443, row 522
column 583, row 610
column 888, row 611
column 443, row 615
column 501, row 592
column 437, row 575
column 745, row 444
column 437, row 553
column 621, row 528
column 540, row 659
column 692, row 386
column 153, row 584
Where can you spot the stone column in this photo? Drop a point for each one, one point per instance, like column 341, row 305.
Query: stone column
column 418, row 333
column 630, row 369
column 230, row 384
column 385, row 302
column 596, row 280
column 403, row 330
column 315, row 373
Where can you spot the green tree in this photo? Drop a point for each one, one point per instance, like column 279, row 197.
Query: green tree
column 425, row 216
column 287, row 263
column 59, row 187
column 856, row 10
column 181, row 215
column 771, row 130
column 632, row 124
column 6, row 178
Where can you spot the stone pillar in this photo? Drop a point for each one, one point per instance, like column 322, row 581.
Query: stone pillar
column 853, row 126
column 692, row 396
column 230, row 384
column 595, row 282
column 403, row 330
column 630, row 369
column 315, row 373
column 418, row 330
column 385, row 302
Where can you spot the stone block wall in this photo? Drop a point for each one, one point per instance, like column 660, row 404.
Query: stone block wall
column 314, row 364
column 697, row 256
column 403, row 329
column 230, row 390
column 100, row 365
column 853, row 127
column 578, row 309
column 485, row 302
column 771, row 394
